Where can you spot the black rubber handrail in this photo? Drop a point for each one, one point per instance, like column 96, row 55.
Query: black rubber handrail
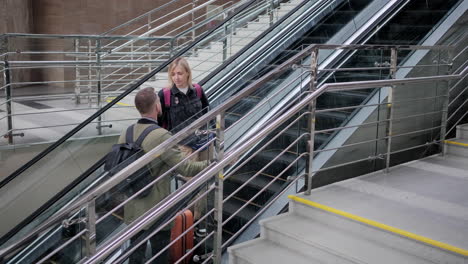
column 78, row 128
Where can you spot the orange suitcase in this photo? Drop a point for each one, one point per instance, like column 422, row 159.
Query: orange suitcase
column 183, row 222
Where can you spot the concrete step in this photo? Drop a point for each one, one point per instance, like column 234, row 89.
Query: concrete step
column 265, row 251
column 254, row 25
column 198, row 76
column 247, row 32
column 330, row 244
column 462, row 131
column 281, row 12
column 286, row 7
column 203, row 65
column 234, row 49
column 457, row 146
column 265, row 19
column 240, row 41
column 211, row 54
column 428, row 217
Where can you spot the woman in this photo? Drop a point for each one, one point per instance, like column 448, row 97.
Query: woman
column 183, row 102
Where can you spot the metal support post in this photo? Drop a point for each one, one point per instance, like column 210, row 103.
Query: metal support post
column 311, row 123
column 272, row 10
column 149, row 22
column 77, row 73
column 226, row 31
column 171, row 47
column 90, row 73
column 389, row 129
column 193, row 20
column 132, row 49
column 218, row 204
column 8, row 96
column 99, row 83
column 150, row 57
column 445, row 104
column 90, row 236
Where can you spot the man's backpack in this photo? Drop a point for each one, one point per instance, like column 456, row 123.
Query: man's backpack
column 123, row 155
column 168, row 97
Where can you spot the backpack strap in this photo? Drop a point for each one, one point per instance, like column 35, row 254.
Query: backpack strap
column 145, row 133
column 129, row 134
column 198, row 90
column 167, row 97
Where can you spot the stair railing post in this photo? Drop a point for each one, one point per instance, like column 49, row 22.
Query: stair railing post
column 132, row 49
column 150, row 57
column 271, row 12
column 389, row 128
column 193, row 20
column 90, row 72
column 76, row 43
column 226, row 31
column 445, row 104
column 311, row 123
column 8, row 97
column 171, row 47
column 99, row 83
column 90, row 235
column 219, row 183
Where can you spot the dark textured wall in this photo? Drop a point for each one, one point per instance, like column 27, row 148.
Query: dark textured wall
column 89, row 17
column 16, row 16
column 86, row 16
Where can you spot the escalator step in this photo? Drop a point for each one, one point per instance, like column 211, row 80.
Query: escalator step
column 246, row 193
column 280, row 164
column 341, row 99
column 259, row 182
column 327, row 120
column 247, row 213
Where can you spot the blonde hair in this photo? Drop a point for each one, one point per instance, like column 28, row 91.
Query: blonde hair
column 184, row 64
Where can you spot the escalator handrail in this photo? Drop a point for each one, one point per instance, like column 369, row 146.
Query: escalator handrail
column 75, row 130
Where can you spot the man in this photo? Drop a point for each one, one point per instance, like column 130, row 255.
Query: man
column 149, row 107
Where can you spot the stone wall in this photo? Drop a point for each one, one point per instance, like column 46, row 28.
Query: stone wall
column 88, row 17
column 10, row 11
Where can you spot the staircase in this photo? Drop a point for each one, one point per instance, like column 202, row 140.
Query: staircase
column 208, row 58
column 416, row 213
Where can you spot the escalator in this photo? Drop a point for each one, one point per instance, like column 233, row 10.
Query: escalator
column 395, row 29
column 325, row 30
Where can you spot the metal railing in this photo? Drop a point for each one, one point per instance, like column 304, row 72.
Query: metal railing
column 217, row 173
column 96, row 68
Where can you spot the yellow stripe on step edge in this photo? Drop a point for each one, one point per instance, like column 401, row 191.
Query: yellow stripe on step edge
column 401, row 232
column 456, row 143
column 119, row 103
